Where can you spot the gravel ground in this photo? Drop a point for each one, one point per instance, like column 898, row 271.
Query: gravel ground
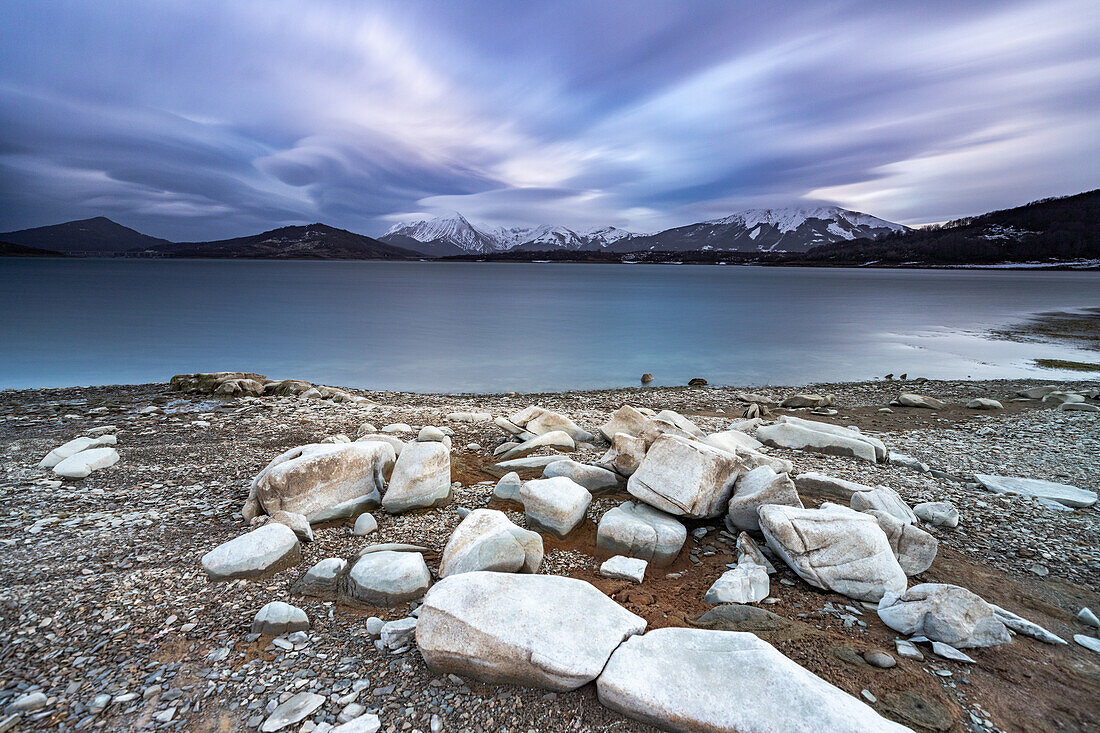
column 104, row 607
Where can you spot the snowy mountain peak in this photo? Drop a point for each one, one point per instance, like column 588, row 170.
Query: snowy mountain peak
column 789, row 219
column 453, row 229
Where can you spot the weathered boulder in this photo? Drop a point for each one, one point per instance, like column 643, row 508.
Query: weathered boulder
column 733, row 441
column 845, row 432
column 557, row 505
column 681, row 422
column 507, row 489
column 812, row 482
column 658, row 427
column 1037, row 393
column 388, row 578
column 556, row 439
column 486, row 540
column 807, row 400
column 322, row 481
column 939, row 513
column 984, row 403
column 239, row 387
column 945, row 613
column 431, row 434
column 396, row 443
column 268, row 549
column 746, row 583
column 883, row 499
column 834, row 548
column 539, row 421
column 726, row 682
column 539, row 630
column 798, row 437
column 61, row 452
column 421, row 478
column 593, row 478
column 287, row 387
column 686, row 478
column 753, row 490
column 622, row 567
column 207, row 382
column 909, row 399
column 914, row 548
column 639, row 530
column 323, row 579
column 278, row 618
column 82, row 464
column 1061, row 493
column 625, row 420
column 625, row 454
column 297, row 523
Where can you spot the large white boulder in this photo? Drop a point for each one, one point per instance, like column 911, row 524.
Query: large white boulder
column 945, row 613
column 709, row 681
column 81, row 465
column 625, row 454
column 556, row 439
column 908, row 399
column 486, row 540
column 681, row 422
column 74, row 446
column 396, row 443
column 1061, row 493
column 539, row 421
column 686, row 478
column 539, row 630
column 557, row 505
column 388, row 578
column 753, row 490
column 883, row 499
column 322, row 481
column 626, row 420
column 733, row 441
column 812, row 482
column 914, row 548
column 593, row 478
column 639, row 530
column 834, row 548
column 746, row 583
column 270, row 548
column 421, row 478
column 799, row 437
column 846, row 432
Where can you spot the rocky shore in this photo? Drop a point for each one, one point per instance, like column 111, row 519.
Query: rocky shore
column 123, row 608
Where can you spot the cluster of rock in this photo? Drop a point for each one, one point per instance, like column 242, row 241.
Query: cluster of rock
column 79, row 457
column 250, row 384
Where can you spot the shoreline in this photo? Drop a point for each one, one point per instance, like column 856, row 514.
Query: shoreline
column 112, row 560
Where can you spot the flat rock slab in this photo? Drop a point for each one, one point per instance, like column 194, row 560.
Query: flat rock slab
column 293, row 710
column 732, row 682
column 621, row 567
column 60, row 453
column 1061, row 493
column 638, row 530
column 270, row 548
column 421, row 478
column 539, row 630
column 81, row 465
column 685, row 478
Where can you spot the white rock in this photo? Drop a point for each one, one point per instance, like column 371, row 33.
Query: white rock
column 421, row 478
column 270, row 548
column 487, row 540
column 834, row 548
column 60, row 453
column 593, row 478
column 939, row 513
column 1062, row 493
column 726, row 681
column 431, row 434
column 914, row 548
column 1087, row 617
column 1078, row 407
column 507, row 489
column 625, row 420
column 472, row 417
column 681, row 422
column 1037, row 393
column 396, row 634
column 812, row 482
column 733, row 441
column 557, row 505
column 1021, row 625
column 755, row 459
column 984, row 403
column 949, row 652
column 944, row 613
column 797, row 437
column 367, row 723
column 388, row 578
column 396, row 428
column 639, row 530
column 81, row 465
column 297, row 523
column 753, row 490
column 1089, row 642
column 624, row 456
column 393, row 441
column 322, row 580
column 883, row 499
column 364, row 524
column 540, row 421
column 522, row 464
column 686, row 478
column 28, row 702
column 746, row 583
column 539, row 630
column 297, row 708
column 557, row 439
column 844, row 432
column 1063, row 398
column 908, row 399
column 621, row 567
column 749, row 552
column 278, row 618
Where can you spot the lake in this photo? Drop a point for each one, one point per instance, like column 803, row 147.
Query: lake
column 489, row 327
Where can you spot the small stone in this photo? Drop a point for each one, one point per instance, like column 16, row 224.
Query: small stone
column 621, row 567
column 879, row 659
column 293, row 710
column 866, row 695
column 1089, row 642
column 1087, row 617
column 949, row 652
column 364, row 525
column 278, row 618
column 908, row 649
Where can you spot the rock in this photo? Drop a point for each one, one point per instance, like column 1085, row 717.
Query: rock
column 798, row 437
column 812, row 482
column 686, row 478
column 1078, row 407
column 647, row 378
column 396, row 634
column 1061, row 493
column 557, row 505
column 945, row 613
column 737, row 617
column 939, row 513
column 1063, row 398
column 364, row 524
column 882, row 660
column 366, row 723
column 557, row 439
column 593, row 478
column 421, row 479
column 431, row 434
column 624, row 456
column 834, row 548
column 805, row 400
column 82, row 464
column 914, row 548
column 471, row 417
column 1089, row 642
column 297, row 523
column 323, row 579
column 681, row 422
column 296, row 708
column 393, row 441
column 908, row 399
column 749, row 552
column 753, row 490
column 322, row 481
column 239, row 387
column 388, row 578
column 530, row 463
column 540, row 630
column 746, row 583
column 60, row 453
column 279, row 618
column 1037, row 393
column 659, row 427
column 733, row 441
column 702, row 680
column 1021, row 625
column 908, row 649
column 697, row 382
column 540, row 421
column 397, row 428
column 949, row 652
column 270, row 548
column 621, row 567
column 639, row 530
column 1087, row 617
column 507, row 489
column 207, row 382
column 883, row 499
column 486, row 540
column 984, row 403
column 27, row 703
column 393, row 547
column 625, row 420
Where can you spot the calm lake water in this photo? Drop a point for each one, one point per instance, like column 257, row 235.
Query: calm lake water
column 528, row 327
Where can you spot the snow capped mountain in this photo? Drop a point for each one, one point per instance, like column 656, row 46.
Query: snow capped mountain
column 455, row 235
column 451, row 230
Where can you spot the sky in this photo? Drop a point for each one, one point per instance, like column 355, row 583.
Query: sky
column 196, row 120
